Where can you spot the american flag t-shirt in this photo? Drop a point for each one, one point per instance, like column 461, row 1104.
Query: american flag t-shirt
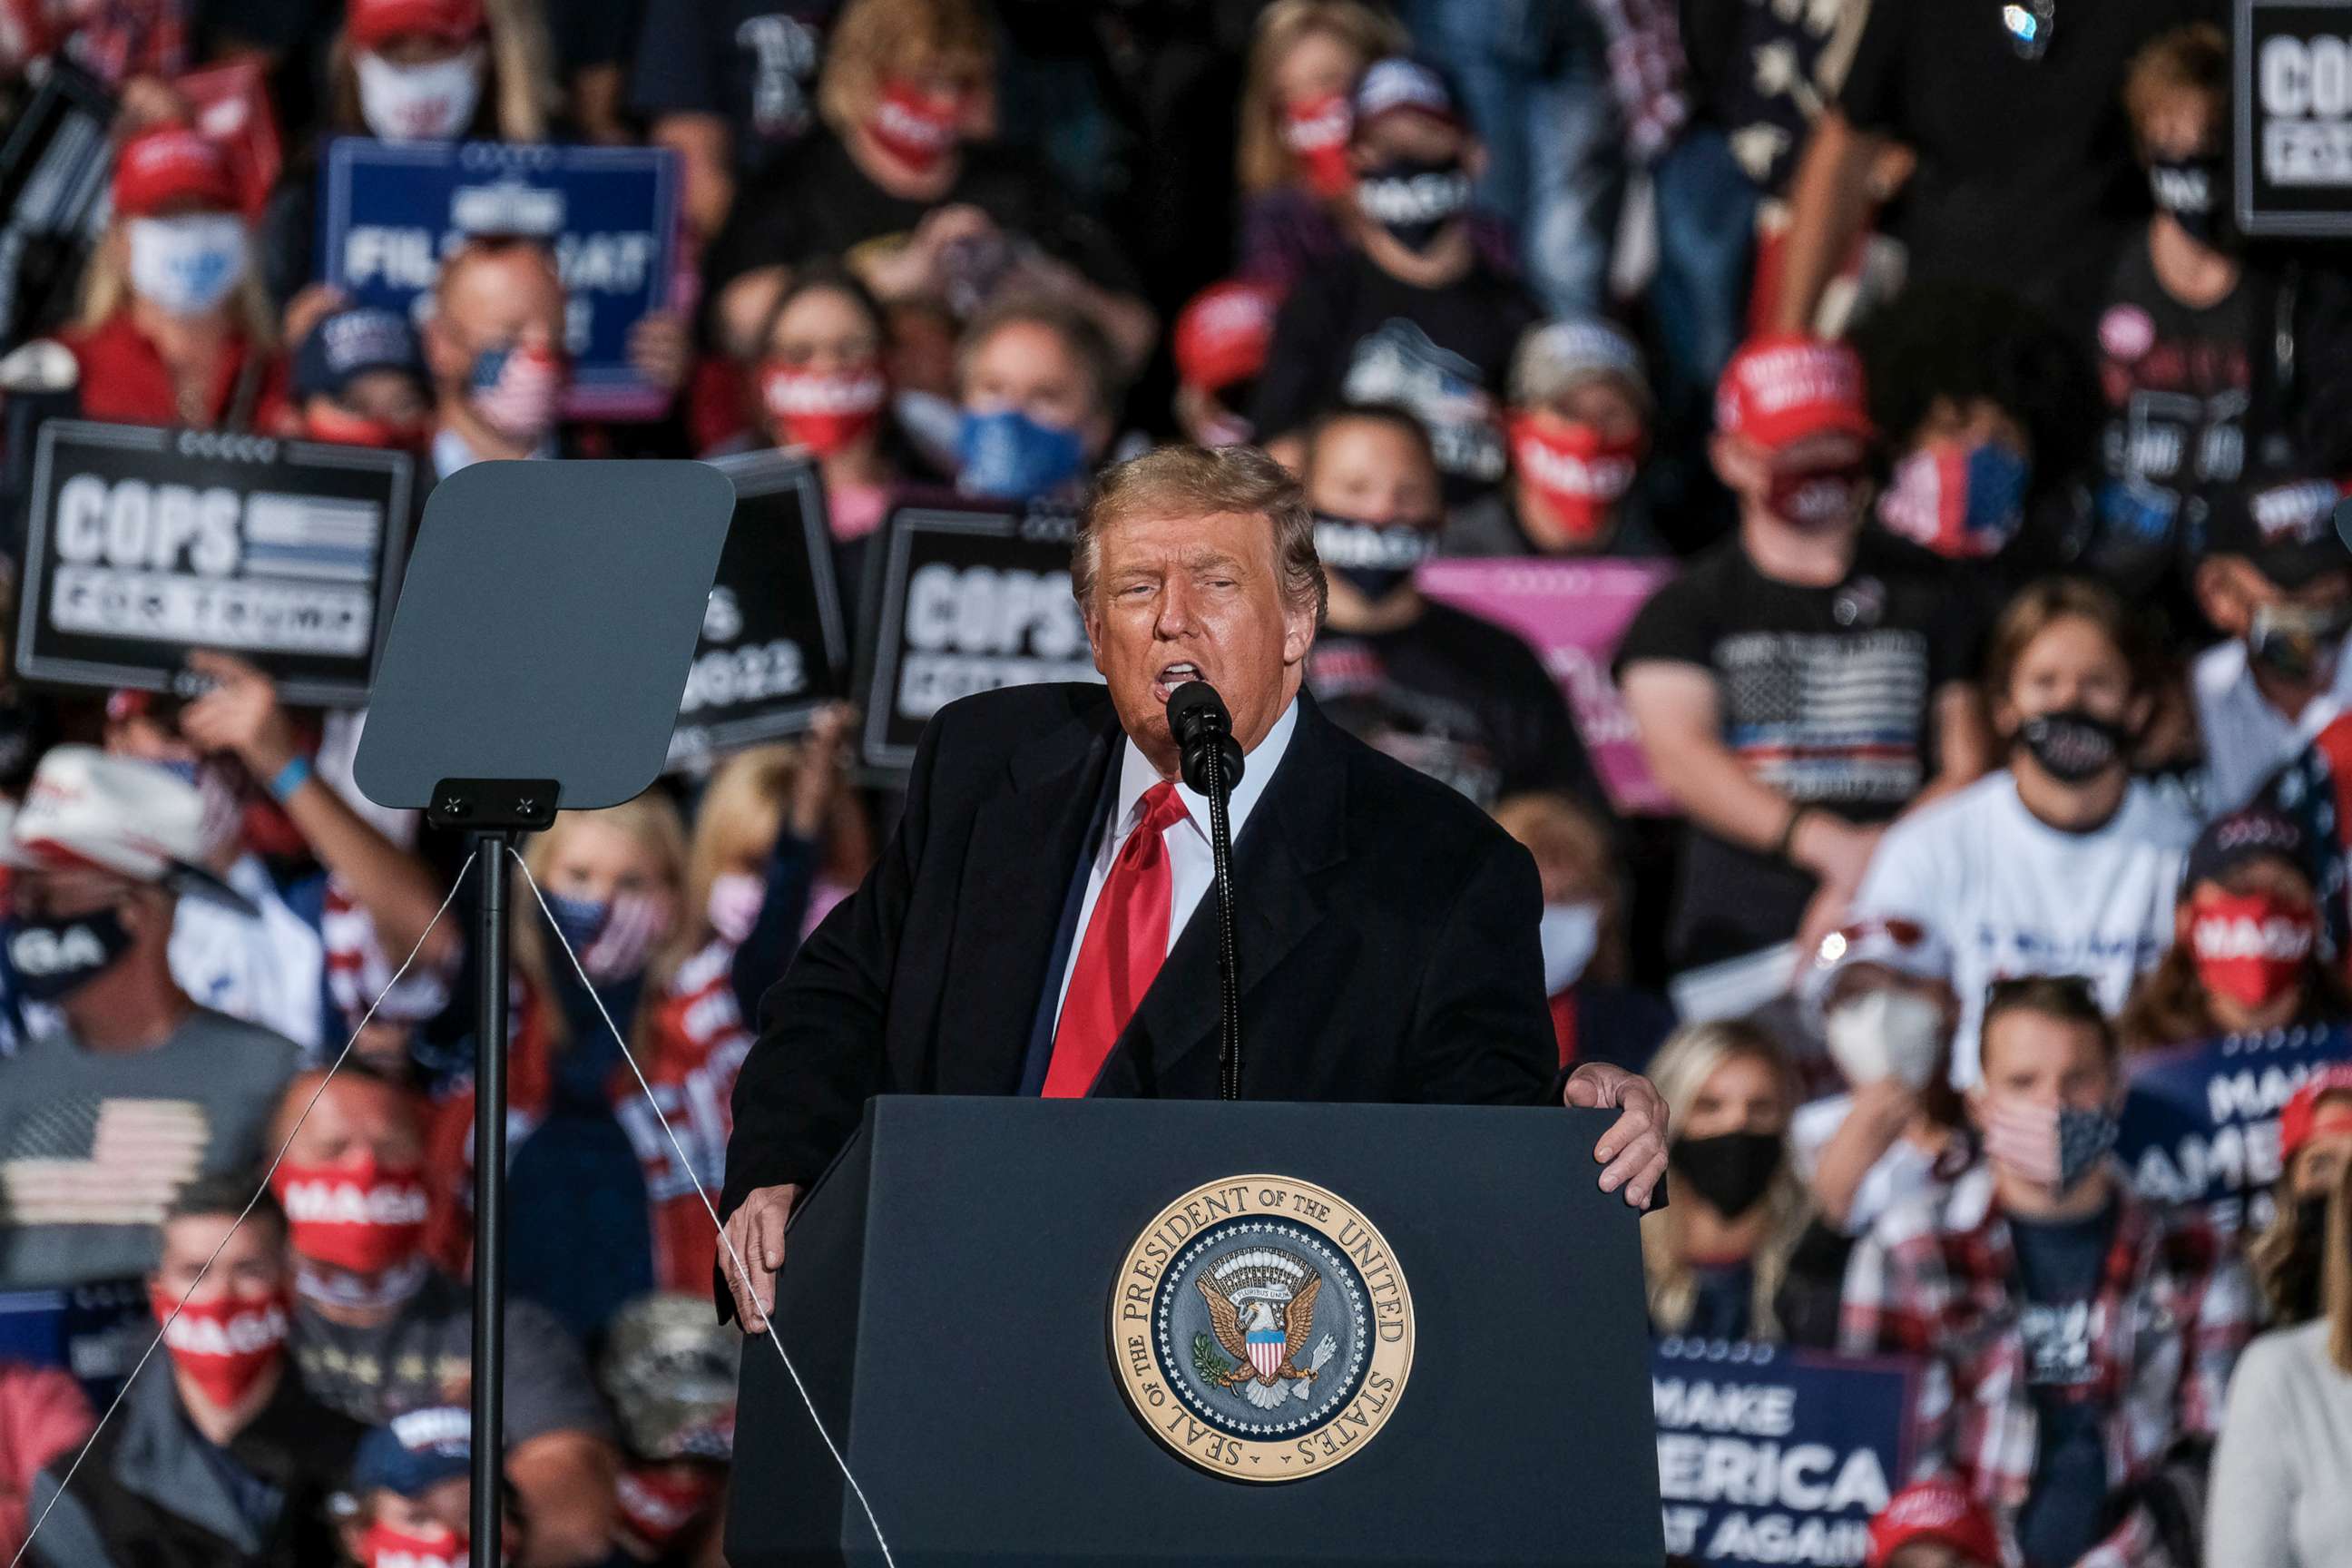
column 88, row 1160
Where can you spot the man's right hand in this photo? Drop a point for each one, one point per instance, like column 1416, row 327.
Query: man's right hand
column 756, row 1232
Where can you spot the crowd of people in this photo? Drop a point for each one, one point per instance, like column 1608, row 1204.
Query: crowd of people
column 1990, row 706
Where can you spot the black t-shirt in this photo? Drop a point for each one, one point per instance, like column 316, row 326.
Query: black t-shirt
column 1458, row 697
column 1356, row 334
column 2026, row 175
column 2059, row 1264
column 752, row 62
column 2177, row 383
column 816, row 201
column 1826, row 695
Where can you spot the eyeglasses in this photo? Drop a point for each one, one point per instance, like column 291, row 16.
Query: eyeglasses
column 2027, row 24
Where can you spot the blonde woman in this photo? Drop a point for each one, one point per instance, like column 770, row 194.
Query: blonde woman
column 2279, row 1498
column 1735, row 1255
column 175, row 329
column 1292, row 154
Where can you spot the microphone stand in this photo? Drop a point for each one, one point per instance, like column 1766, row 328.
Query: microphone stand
column 1211, row 762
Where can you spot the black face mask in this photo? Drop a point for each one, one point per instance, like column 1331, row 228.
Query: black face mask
column 1373, row 558
column 1732, row 1171
column 2073, row 746
column 2191, row 189
column 1413, row 200
column 51, row 959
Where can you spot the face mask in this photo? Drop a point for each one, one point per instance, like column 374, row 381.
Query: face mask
column 736, row 900
column 224, row 1345
column 53, row 959
column 2073, row 746
column 355, row 1216
column 330, row 422
column 1732, row 1171
column 1315, row 132
column 1373, row 558
column 186, row 265
column 432, row 102
column 1414, row 201
column 657, row 1508
column 913, row 126
column 1886, row 1034
column 2301, row 642
column 1816, row 499
column 515, row 389
column 2251, row 948
column 613, row 937
column 2185, row 187
column 1965, row 503
column 1007, row 456
column 1569, row 933
column 1580, row 473
column 2054, row 1146
column 388, row 1546
column 825, row 413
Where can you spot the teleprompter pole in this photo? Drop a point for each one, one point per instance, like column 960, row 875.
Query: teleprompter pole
column 490, row 1199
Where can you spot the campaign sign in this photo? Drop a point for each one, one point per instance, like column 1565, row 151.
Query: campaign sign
column 390, row 211
column 961, row 599
column 2200, row 1121
column 2292, row 131
column 143, row 544
column 1768, row 1455
column 1573, row 613
column 774, row 647
column 96, row 1331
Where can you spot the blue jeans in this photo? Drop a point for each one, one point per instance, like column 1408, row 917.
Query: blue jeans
column 1537, row 90
column 1707, row 244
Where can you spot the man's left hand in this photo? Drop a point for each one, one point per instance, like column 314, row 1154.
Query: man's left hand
column 1632, row 1152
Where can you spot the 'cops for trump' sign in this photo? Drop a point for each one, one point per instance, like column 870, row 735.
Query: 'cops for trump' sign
column 143, row 544
column 2293, row 100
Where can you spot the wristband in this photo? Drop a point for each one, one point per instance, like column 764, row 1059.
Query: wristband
column 290, row 777
column 1788, row 839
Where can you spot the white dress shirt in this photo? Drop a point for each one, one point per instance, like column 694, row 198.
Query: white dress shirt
column 2246, row 739
column 1190, row 863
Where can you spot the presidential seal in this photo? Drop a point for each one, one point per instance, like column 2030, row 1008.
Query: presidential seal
column 1261, row 1329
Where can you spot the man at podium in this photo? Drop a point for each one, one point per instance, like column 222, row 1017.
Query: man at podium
column 1030, row 930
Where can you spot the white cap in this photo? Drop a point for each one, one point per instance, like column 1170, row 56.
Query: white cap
column 1905, row 946
column 130, row 817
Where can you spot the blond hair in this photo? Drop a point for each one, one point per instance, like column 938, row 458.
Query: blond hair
column 2335, row 1288
column 1690, row 1057
column 521, row 91
column 1262, row 161
column 2191, row 59
column 875, row 39
column 741, row 813
column 654, row 824
column 1201, row 481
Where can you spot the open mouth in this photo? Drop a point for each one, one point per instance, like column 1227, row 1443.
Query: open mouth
column 1173, row 674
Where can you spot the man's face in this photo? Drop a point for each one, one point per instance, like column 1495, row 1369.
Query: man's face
column 1409, row 138
column 1771, row 480
column 251, row 1266
column 2231, row 588
column 2038, row 1059
column 1025, row 367
column 1203, row 592
column 508, row 298
column 1370, row 472
column 352, row 1119
column 63, row 893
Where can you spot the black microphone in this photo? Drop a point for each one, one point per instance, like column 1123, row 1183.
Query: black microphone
column 1197, row 717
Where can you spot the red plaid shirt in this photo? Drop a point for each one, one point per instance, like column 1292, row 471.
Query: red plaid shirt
column 1938, row 1281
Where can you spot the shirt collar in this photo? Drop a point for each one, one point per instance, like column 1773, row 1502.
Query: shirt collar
column 452, row 452
column 1136, row 774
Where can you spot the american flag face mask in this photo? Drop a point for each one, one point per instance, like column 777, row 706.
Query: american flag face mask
column 516, row 387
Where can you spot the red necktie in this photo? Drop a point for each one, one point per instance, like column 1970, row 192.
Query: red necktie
column 1126, row 941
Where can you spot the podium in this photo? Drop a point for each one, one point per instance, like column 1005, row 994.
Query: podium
column 1115, row 1331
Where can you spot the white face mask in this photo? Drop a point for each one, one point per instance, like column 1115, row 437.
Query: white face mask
column 1886, row 1034
column 1569, row 933
column 186, row 265
column 432, row 102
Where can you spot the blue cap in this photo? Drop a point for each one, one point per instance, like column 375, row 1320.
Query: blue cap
column 413, row 1452
column 349, row 342
column 1402, row 84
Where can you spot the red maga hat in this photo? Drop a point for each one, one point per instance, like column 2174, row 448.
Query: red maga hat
column 168, row 164
column 1936, row 1510
column 371, row 24
column 1782, row 388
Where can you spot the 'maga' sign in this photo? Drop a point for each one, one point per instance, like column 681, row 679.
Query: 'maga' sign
column 2292, row 163
column 958, row 600
column 1768, row 1455
column 2200, row 1121
column 143, row 544
column 390, row 211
